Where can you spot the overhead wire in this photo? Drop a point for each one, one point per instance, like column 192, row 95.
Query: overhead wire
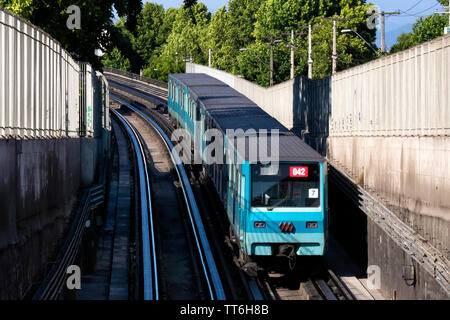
column 417, row 14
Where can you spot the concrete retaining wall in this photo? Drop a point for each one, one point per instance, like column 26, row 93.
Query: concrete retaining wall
column 276, row 101
column 410, row 174
column 39, row 183
column 401, row 277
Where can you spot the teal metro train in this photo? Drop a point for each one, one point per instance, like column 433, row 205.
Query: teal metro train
column 274, row 208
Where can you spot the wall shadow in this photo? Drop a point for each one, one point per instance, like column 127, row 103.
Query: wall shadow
column 312, row 111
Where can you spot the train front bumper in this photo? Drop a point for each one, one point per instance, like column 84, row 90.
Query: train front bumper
column 267, row 231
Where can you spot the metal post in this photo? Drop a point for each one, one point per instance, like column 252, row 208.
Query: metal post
column 209, row 58
column 292, row 55
column 271, row 61
column 310, row 60
column 334, row 48
column 383, row 41
column 383, row 28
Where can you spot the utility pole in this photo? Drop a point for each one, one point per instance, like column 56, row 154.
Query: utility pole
column 292, row 55
column 446, row 12
column 334, row 56
column 209, row 58
column 383, row 30
column 293, row 44
column 310, row 60
column 271, row 60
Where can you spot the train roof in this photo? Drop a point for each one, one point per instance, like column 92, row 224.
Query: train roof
column 231, row 110
column 197, row 79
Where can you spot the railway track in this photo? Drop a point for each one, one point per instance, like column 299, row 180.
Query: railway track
column 307, row 285
column 173, row 240
column 238, row 286
column 158, row 95
column 149, row 263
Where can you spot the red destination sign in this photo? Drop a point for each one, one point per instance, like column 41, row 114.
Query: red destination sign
column 299, row 172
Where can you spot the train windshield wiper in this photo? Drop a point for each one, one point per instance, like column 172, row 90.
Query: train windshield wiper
column 277, row 204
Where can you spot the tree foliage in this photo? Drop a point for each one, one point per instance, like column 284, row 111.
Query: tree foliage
column 96, row 22
column 115, row 59
column 159, row 41
column 238, row 37
column 424, row 29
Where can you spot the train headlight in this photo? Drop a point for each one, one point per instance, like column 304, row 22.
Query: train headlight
column 312, row 225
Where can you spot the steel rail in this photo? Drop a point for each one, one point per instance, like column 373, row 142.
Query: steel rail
column 150, row 269
column 137, row 92
column 325, row 290
column 135, row 77
column 340, row 285
column 158, row 91
column 212, row 277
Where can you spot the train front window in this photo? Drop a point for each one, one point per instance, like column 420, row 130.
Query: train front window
column 286, row 185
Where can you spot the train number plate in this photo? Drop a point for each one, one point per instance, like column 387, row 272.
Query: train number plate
column 299, row 172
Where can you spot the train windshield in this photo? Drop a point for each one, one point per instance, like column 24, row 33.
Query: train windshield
column 286, row 185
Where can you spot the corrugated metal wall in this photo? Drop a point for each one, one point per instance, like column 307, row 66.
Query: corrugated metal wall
column 43, row 91
column 404, row 94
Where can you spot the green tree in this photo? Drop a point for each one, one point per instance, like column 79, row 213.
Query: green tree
column 124, row 41
column 189, row 3
column 277, row 17
column 424, row 29
column 243, row 18
column 404, row 41
column 23, row 8
column 96, row 23
column 219, row 38
column 186, row 40
column 115, row 59
column 149, row 35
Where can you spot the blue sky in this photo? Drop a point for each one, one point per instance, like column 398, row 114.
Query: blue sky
column 395, row 25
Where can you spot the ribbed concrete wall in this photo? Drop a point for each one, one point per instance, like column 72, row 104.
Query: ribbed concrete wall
column 404, row 94
column 39, row 83
column 278, row 101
